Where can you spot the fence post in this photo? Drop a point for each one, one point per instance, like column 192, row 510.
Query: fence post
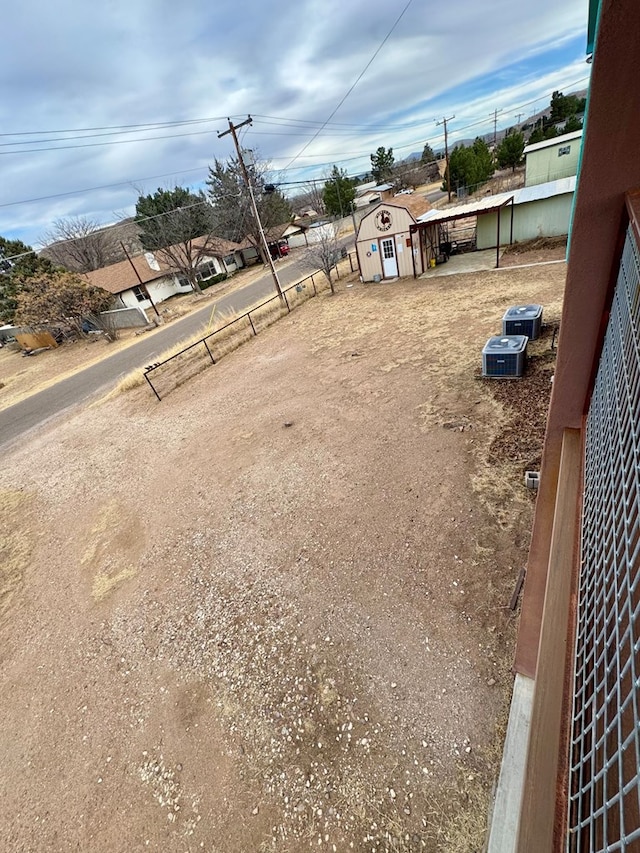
column 213, row 361
column 350, row 262
column 284, row 293
column 253, row 328
column 151, row 386
column 315, row 292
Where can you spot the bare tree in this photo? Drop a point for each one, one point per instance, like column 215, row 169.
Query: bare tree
column 324, row 251
column 310, row 197
column 80, row 244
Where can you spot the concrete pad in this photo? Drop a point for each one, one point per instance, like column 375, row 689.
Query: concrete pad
column 503, row 835
column 467, row 262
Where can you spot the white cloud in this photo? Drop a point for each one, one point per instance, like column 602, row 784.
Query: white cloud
column 72, row 65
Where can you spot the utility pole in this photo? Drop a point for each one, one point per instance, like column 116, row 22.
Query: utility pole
column 518, row 116
column 446, row 152
column 495, row 125
column 245, row 174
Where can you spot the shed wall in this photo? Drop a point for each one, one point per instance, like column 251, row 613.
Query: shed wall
column 371, row 256
column 547, row 164
column 547, row 217
column 401, row 221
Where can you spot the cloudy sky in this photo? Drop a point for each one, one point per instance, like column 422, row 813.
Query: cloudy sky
column 100, row 100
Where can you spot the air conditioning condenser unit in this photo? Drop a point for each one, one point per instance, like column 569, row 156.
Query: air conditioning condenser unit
column 523, row 320
column 505, row 355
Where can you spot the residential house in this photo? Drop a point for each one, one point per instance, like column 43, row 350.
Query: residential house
column 148, row 279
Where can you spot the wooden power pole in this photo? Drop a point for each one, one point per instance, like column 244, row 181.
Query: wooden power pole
column 446, row 153
column 245, row 175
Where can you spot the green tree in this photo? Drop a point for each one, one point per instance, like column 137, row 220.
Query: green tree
column 232, row 213
column 339, row 193
column 382, row 164
column 510, row 150
column 572, row 124
column 563, row 106
column 172, row 216
column 59, row 298
column 484, row 162
column 537, row 135
column 470, row 167
column 176, row 225
column 428, row 155
column 17, row 263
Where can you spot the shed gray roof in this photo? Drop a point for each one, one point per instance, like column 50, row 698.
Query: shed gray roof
column 562, row 186
column 547, row 143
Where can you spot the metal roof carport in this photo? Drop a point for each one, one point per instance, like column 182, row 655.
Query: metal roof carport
column 488, row 204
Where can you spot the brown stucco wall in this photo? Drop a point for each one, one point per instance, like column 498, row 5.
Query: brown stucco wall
column 610, row 167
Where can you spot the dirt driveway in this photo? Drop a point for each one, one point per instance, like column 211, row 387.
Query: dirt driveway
column 268, row 613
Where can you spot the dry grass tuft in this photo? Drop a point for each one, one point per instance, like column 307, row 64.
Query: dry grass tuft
column 104, row 583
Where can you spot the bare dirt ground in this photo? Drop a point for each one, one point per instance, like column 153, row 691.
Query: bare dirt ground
column 535, row 251
column 268, row 613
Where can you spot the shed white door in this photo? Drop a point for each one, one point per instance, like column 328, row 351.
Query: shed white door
column 389, row 260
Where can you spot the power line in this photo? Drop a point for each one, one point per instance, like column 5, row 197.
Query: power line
column 431, row 140
column 116, row 127
column 353, row 86
column 102, row 187
column 99, row 144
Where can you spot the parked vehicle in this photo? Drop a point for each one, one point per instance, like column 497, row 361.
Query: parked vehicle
column 279, row 249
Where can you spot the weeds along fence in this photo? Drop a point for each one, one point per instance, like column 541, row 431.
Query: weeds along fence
column 180, row 366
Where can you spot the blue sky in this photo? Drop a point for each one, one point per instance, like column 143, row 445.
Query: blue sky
column 69, row 67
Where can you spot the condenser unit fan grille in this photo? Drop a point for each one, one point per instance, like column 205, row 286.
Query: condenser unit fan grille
column 523, row 320
column 504, row 356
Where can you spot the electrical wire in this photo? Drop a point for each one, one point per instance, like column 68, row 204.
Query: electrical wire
column 352, row 87
column 276, row 119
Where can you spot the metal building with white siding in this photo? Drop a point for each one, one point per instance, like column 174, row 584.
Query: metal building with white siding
column 552, row 159
column 543, row 210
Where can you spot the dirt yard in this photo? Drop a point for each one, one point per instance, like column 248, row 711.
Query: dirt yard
column 535, row 251
column 270, row 612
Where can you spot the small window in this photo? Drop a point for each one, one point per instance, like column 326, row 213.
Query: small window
column 230, row 260
column 206, row 270
column 564, row 149
column 140, row 293
column 183, row 281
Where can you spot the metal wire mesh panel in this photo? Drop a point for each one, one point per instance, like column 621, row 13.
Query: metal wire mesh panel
column 604, row 805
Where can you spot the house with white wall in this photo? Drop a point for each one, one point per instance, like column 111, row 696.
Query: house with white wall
column 147, row 279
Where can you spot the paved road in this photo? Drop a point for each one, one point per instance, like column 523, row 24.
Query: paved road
column 435, row 195
column 87, row 383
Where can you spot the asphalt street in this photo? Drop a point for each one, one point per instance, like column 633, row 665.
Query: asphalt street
column 96, row 379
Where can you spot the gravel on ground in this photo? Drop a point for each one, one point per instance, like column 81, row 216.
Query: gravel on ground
column 271, row 612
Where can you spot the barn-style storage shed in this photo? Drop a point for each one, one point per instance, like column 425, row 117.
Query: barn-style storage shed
column 383, row 241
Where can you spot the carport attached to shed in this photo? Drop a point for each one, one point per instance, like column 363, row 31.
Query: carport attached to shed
column 428, row 227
